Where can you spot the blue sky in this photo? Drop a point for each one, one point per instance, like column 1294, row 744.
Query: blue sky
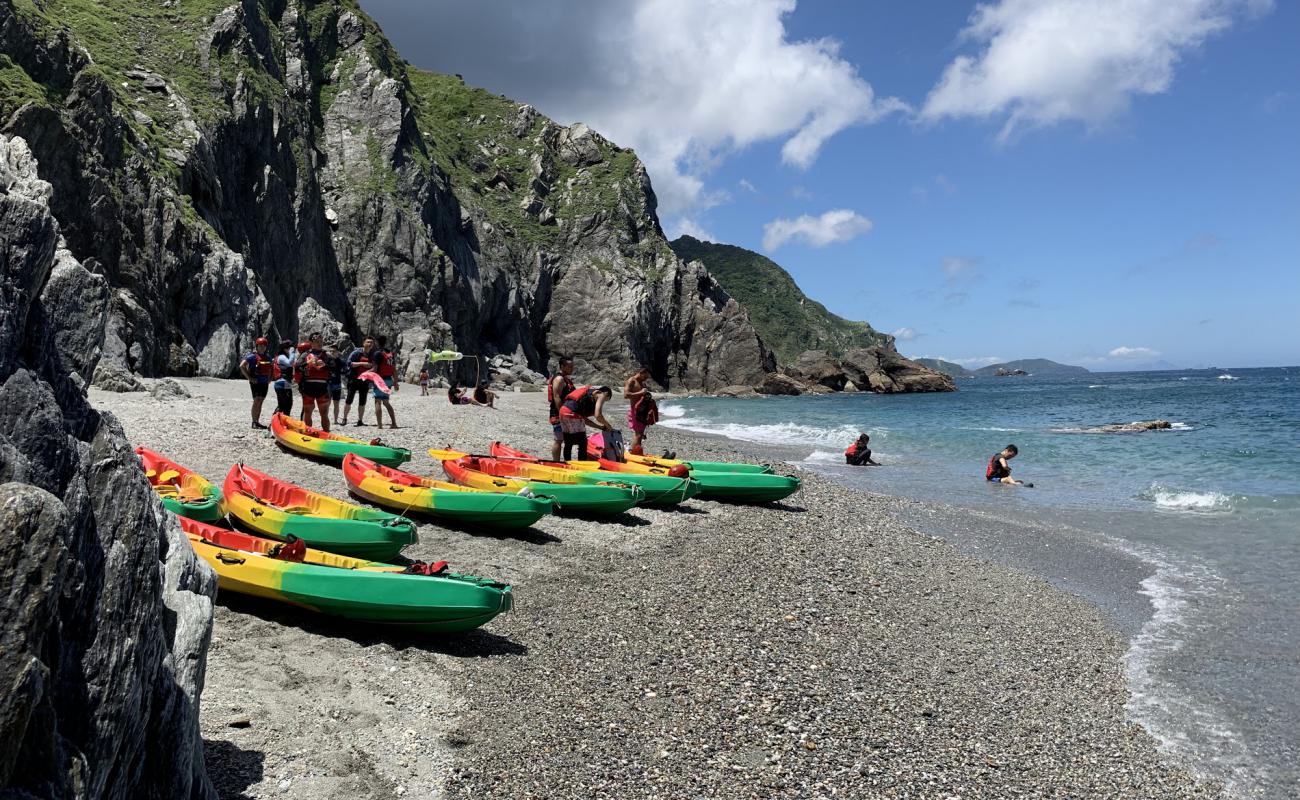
column 1102, row 183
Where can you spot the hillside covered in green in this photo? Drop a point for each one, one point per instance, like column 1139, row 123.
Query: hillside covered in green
column 788, row 320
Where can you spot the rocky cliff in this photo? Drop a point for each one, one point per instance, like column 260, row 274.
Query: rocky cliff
column 105, row 611
column 274, row 166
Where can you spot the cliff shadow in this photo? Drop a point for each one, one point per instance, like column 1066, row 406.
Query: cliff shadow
column 231, row 768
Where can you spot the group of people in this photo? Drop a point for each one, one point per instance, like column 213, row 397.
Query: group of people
column 574, row 409
column 998, row 470
column 321, row 372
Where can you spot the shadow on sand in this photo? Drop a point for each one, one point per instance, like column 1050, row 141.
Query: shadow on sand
column 231, row 768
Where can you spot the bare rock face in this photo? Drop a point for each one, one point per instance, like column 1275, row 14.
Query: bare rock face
column 819, row 367
column 880, row 369
column 105, row 611
column 776, row 383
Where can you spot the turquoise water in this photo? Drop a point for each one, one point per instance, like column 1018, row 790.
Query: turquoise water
column 1210, row 511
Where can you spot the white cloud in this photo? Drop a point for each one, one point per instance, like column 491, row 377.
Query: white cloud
column 685, row 83
column 839, row 225
column 955, row 266
column 687, row 226
column 747, row 186
column 1134, row 352
column 906, row 334
column 1046, row 61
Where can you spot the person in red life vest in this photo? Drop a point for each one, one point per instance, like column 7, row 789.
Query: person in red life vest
column 386, row 363
column 424, row 381
column 258, row 368
column 643, row 412
column 998, row 471
column 558, row 388
column 858, row 454
column 315, row 386
column 358, row 361
column 583, row 407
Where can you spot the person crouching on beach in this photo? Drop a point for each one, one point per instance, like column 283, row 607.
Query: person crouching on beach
column 257, row 368
column 579, row 408
column 858, row 454
column 999, row 471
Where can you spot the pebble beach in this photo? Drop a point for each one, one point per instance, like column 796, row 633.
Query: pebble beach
column 815, row 647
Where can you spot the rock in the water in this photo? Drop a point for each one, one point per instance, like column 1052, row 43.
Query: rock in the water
column 776, row 383
column 1123, row 427
column 105, row 611
column 736, row 391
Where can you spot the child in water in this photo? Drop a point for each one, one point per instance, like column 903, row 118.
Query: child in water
column 858, row 454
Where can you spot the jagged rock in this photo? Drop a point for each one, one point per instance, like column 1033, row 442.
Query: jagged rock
column 819, row 367
column 105, row 611
column 112, row 378
column 776, row 383
column 524, row 120
column 167, row 389
column 1131, row 427
column 882, row 369
column 736, row 391
column 579, row 145
column 313, row 318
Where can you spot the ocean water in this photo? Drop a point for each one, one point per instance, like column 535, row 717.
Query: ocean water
column 1189, row 538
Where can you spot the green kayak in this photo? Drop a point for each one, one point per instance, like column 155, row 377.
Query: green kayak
column 297, row 437
column 586, row 499
column 432, row 599
column 745, row 487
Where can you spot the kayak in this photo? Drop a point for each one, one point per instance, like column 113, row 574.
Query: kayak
column 427, row 599
column 596, row 445
column 278, row 509
column 735, row 486
column 183, row 492
column 660, row 489
column 305, row 440
column 446, row 501
column 492, row 475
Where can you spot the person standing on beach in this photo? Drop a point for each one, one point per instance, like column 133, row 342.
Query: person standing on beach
column 999, row 471
column 643, row 412
column 583, row 407
column 424, row 381
column 336, row 367
column 381, row 392
column 315, row 382
column 558, row 388
column 358, row 361
column 858, row 454
column 257, row 368
column 284, row 359
column 386, row 363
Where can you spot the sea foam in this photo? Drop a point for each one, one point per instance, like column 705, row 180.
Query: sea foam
column 1167, row 499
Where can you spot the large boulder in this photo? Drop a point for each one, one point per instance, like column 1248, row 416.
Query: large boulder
column 776, row 383
column 883, row 369
column 105, row 611
column 819, row 367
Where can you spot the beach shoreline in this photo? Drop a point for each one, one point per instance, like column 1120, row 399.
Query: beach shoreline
column 811, row 647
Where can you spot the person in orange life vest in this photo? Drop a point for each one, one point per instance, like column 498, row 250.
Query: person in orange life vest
column 583, row 407
column 998, row 471
column 640, row 413
column 858, row 454
column 258, row 368
column 386, row 363
column 358, row 361
column 558, row 388
column 315, row 386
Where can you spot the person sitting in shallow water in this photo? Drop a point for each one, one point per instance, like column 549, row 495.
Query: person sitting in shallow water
column 998, row 471
column 858, row 454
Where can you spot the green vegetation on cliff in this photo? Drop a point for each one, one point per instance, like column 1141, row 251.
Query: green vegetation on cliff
column 787, row 319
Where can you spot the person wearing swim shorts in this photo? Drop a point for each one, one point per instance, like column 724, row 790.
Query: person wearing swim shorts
column 558, row 388
column 337, row 369
column 358, row 361
column 584, row 407
column 257, row 368
column 636, row 392
column 382, row 393
column 998, row 471
column 315, row 382
column 284, row 359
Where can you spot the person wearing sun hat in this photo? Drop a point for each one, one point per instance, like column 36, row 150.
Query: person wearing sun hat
column 257, row 368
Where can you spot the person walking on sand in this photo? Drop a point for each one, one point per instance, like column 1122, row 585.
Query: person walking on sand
column 558, row 388
column 858, row 454
column 583, row 407
column 357, row 362
column 315, row 389
column 284, row 359
column 424, row 381
column 257, row 368
column 381, row 390
column 999, row 471
column 643, row 412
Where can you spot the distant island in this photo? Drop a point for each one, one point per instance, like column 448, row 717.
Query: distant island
column 1025, row 366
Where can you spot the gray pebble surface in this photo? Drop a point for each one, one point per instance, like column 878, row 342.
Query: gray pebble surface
column 811, row 648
